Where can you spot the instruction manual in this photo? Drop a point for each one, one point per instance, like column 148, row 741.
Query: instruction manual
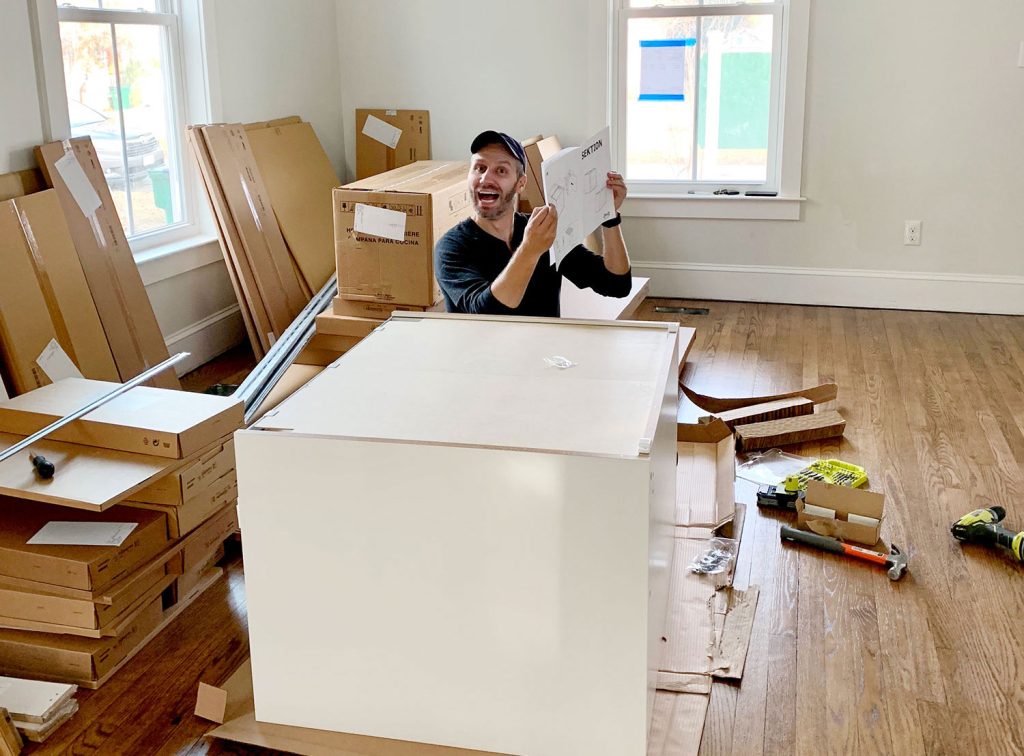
column 575, row 182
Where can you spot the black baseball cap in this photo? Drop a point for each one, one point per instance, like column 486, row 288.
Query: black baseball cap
column 485, row 138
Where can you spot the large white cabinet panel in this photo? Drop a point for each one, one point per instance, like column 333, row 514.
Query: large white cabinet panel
column 447, row 540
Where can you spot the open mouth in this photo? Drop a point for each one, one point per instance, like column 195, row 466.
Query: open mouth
column 487, row 198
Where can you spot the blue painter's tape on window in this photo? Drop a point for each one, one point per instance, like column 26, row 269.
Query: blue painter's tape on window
column 663, row 97
column 668, row 42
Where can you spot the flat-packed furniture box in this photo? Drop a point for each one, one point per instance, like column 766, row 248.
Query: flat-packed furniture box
column 433, row 196
column 490, row 502
column 69, row 658
column 196, row 474
column 387, row 139
column 88, row 568
column 183, row 518
column 144, row 420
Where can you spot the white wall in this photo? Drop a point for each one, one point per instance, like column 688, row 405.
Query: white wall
column 20, row 125
column 276, row 58
column 914, row 111
column 523, row 68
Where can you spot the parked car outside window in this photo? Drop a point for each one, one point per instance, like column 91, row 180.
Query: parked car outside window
column 144, row 152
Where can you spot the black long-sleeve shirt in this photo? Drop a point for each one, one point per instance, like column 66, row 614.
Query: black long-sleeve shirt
column 467, row 260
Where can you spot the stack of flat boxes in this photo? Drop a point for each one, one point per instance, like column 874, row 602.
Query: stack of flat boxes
column 378, row 275
column 75, row 613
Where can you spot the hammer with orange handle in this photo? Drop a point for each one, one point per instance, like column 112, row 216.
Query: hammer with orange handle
column 895, row 561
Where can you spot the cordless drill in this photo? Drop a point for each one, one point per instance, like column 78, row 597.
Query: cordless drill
column 982, row 526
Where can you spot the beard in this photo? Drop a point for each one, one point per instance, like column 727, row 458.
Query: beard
column 504, row 205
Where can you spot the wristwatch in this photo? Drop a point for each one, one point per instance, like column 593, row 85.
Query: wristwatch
column 613, row 222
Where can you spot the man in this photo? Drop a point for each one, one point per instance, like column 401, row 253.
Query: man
column 498, row 261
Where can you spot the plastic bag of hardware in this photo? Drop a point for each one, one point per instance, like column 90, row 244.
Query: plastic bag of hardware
column 770, row 467
column 558, row 361
column 717, row 558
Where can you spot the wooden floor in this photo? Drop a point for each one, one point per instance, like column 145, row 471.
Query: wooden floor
column 841, row 659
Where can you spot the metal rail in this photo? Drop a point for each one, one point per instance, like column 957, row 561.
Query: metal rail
column 86, row 409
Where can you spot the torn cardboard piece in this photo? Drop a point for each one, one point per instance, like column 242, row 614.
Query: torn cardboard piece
column 757, row 413
column 734, row 618
column 705, row 483
column 826, row 392
column 790, row 430
column 232, row 705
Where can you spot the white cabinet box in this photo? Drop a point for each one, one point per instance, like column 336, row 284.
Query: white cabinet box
column 449, row 540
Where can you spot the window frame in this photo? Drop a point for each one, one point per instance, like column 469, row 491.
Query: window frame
column 674, row 198
column 194, row 227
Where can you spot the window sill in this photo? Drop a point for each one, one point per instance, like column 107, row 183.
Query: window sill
column 175, row 258
column 737, row 207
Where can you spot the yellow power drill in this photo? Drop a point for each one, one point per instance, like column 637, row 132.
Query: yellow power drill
column 982, row 526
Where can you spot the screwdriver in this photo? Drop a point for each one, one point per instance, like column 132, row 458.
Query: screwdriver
column 44, row 467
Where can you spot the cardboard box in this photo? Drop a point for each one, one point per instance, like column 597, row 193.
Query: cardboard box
column 86, row 567
column 313, row 356
column 373, row 156
column 844, row 501
column 122, row 303
column 144, row 420
column 208, row 466
column 536, row 152
column 44, row 294
column 379, row 310
column 434, row 196
column 189, row 581
column 294, row 378
column 299, row 178
column 183, row 518
column 336, row 345
column 71, row 659
column 77, row 612
column 328, row 323
column 208, row 537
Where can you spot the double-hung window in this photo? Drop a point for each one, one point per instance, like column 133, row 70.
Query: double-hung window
column 123, row 79
column 699, row 95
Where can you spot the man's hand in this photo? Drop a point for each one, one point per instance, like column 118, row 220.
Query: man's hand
column 540, row 230
column 618, row 186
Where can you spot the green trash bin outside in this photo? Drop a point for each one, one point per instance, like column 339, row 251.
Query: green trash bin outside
column 160, row 179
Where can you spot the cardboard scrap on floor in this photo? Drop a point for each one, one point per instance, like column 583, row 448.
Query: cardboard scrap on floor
column 232, row 706
column 789, row 430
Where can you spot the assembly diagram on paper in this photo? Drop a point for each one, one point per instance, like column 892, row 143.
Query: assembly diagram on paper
column 575, row 182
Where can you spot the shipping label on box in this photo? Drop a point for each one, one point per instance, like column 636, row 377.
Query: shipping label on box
column 850, row 514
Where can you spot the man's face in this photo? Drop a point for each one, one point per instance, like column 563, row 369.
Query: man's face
column 494, row 182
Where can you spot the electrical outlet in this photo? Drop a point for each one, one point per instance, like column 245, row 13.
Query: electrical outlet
column 912, row 232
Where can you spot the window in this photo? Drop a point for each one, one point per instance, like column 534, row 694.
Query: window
column 699, row 95
column 121, row 61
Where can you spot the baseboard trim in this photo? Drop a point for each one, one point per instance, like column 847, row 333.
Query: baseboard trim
column 841, row 287
column 208, row 338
